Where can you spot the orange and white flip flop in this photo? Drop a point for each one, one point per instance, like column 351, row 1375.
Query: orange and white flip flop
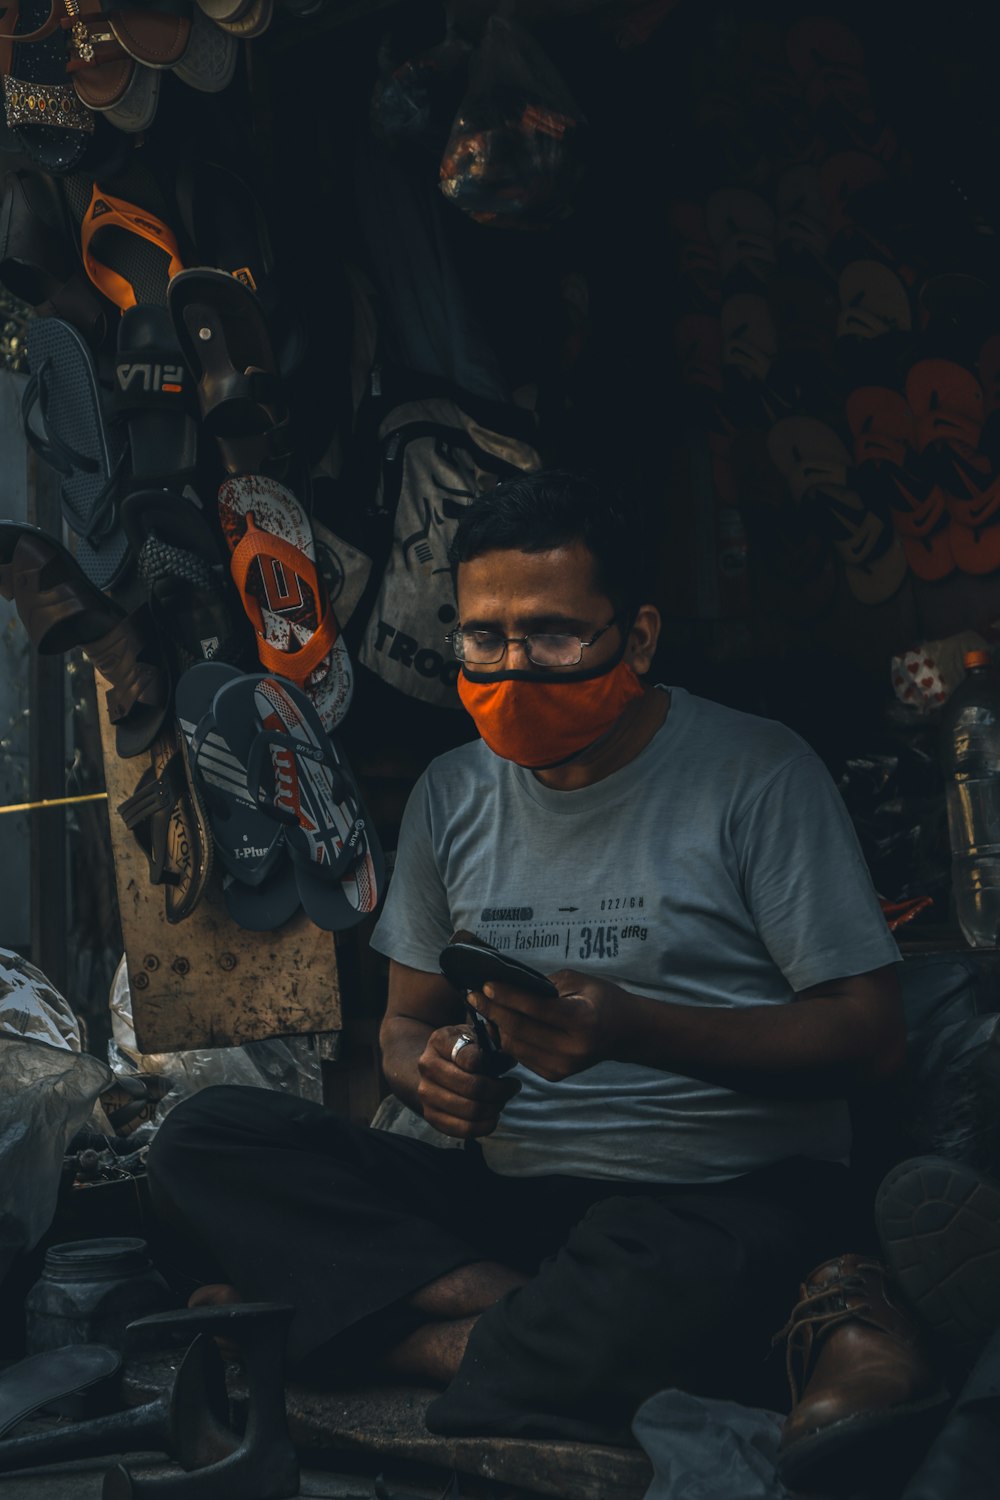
column 108, row 215
column 274, row 568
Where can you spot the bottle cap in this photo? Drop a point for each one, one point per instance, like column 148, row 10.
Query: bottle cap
column 976, row 659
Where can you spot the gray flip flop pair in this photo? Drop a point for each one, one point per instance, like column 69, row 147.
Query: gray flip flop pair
column 286, row 817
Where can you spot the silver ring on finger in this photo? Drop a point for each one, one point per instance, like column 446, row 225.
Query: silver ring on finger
column 460, row 1042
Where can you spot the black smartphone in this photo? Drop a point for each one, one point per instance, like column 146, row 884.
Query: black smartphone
column 469, row 964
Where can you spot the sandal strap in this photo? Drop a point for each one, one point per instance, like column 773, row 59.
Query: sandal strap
column 265, row 545
column 47, row 27
column 151, row 379
column 158, row 560
column 52, row 449
column 105, row 212
column 104, row 519
column 147, row 814
column 259, row 761
column 117, row 657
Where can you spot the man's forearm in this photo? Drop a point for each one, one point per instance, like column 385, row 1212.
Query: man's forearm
column 821, row 1047
column 402, row 1040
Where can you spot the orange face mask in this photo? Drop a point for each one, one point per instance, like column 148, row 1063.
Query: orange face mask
column 541, row 721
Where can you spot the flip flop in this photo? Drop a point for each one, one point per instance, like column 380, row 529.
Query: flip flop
column 295, row 769
column 252, row 22
column 209, row 61
column 801, row 226
column 89, row 1372
column 224, row 10
column 828, row 59
column 698, row 346
column 799, row 573
column 191, row 599
column 227, row 346
column 37, row 262
column 155, row 38
column 844, row 178
column 955, row 310
column 293, row 774
column 226, row 223
column 890, row 475
column 741, row 226
column 873, row 559
column 61, row 609
column 948, row 404
column 170, row 823
column 808, row 454
column 274, row 568
column 114, row 225
column 873, row 301
column 247, row 842
column 264, row 907
column 154, row 397
column 749, row 337
column 697, row 257
column 48, row 121
column 124, row 92
column 89, row 454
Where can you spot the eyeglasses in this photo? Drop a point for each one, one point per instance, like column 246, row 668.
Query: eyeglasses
column 482, row 648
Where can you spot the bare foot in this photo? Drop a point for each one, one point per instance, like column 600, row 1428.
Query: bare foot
column 433, row 1352
column 216, row 1294
column 466, row 1291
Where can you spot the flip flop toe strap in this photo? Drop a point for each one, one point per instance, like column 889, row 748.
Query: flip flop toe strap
column 108, row 212
column 263, row 546
column 286, row 794
column 147, row 815
column 260, row 767
column 117, row 656
column 52, row 449
column 158, row 559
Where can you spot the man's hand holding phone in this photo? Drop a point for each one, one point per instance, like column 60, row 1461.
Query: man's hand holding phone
column 456, row 1096
column 554, row 1025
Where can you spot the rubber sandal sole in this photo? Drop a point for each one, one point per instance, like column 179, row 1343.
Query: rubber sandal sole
column 939, row 1225
column 265, row 907
column 42, row 1380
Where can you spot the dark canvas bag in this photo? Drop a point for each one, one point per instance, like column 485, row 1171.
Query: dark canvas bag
column 436, row 454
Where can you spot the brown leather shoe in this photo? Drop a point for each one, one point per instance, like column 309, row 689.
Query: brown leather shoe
column 860, row 1380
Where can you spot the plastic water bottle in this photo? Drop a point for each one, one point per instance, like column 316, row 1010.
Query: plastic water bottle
column 971, row 758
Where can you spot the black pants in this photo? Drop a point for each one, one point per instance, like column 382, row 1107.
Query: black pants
column 636, row 1285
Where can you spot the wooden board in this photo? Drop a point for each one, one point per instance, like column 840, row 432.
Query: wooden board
column 205, row 982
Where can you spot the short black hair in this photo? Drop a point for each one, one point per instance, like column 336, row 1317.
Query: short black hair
column 549, row 508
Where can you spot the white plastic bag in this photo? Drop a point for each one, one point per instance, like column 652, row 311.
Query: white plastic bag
column 46, row 1095
column 289, row 1064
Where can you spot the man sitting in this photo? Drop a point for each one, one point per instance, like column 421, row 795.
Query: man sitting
column 638, row 1197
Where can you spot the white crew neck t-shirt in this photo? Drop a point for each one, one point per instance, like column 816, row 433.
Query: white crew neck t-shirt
column 719, row 867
